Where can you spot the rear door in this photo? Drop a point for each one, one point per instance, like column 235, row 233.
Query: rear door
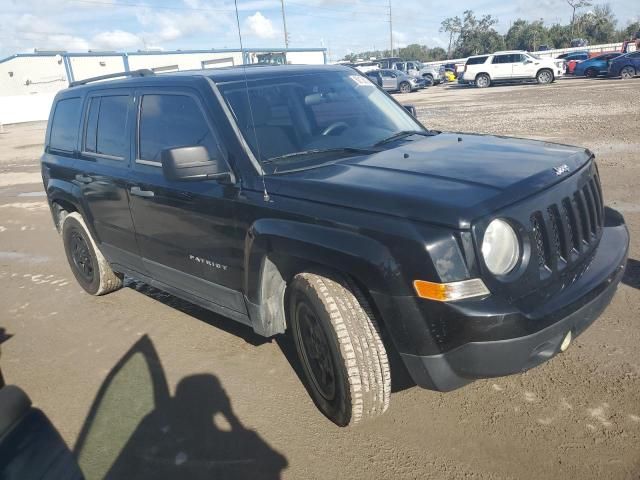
column 186, row 230
column 103, row 172
column 501, row 67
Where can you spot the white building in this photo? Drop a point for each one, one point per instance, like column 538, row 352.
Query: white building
column 29, row 81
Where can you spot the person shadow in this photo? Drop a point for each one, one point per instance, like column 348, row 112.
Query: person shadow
column 136, row 429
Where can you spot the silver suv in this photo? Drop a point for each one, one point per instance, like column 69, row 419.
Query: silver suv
column 394, row 80
column 431, row 73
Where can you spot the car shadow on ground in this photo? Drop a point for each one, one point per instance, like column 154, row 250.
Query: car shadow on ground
column 200, row 313
column 137, row 429
column 632, row 273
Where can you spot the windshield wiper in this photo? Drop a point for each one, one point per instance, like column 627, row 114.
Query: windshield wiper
column 303, row 153
column 401, row 134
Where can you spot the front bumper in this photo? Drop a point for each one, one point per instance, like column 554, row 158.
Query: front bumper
column 500, row 341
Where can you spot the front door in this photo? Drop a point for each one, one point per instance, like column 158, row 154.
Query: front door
column 103, row 171
column 185, row 230
column 501, row 68
column 523, row 66
column 389, row 80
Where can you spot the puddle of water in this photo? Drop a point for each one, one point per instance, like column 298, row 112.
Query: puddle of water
column 32, row 194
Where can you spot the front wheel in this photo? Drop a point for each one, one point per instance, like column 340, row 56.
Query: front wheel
column 339, row 345
column 544, row 77
column 91, row 269
column 405, row 87
column 429, row 78
column 627, row 72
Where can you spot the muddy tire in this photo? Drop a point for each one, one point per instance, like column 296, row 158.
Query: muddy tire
column 339, row 345
column 91, row 269
column 483, row 80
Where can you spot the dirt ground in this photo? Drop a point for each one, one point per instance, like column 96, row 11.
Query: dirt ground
column 139, row 370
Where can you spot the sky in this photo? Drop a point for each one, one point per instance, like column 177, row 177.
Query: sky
column 341, row 26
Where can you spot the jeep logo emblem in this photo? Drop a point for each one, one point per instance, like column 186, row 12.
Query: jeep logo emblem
column 564, row 168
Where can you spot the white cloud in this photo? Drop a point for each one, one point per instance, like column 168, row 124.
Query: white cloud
column 260, row 26
column 116, row 40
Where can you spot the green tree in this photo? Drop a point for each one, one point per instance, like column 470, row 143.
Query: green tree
column 452, row 26
column 559, row 35
column 478, row 35
column 599, row 25
column 524, row 35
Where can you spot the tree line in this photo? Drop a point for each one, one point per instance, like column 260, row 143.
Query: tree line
column 471, row 35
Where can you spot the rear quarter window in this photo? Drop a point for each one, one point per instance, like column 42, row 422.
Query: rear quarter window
column 64, row 125
column 476, row 60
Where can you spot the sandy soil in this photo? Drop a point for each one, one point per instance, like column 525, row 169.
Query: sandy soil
column 219, row 402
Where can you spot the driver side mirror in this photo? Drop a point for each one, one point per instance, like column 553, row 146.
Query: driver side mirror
column 411, row 109
column 193, row 164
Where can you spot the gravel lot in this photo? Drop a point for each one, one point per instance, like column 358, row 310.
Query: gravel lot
column 225, row 403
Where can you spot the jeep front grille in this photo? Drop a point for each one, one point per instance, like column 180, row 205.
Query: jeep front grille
column 564, row 231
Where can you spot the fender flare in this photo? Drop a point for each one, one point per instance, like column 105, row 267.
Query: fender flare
column 276, row 250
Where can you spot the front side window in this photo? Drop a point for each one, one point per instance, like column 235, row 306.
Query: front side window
column 64, row 125
column 170, row 121
column 106, row 131
column 328, row 111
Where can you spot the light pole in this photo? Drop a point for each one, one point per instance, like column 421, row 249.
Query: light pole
column 284, row 23
column 390, row 29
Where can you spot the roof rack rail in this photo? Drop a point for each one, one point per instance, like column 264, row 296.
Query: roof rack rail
column 143, row 72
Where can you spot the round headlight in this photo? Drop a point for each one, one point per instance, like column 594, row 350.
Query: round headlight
column 500, row 247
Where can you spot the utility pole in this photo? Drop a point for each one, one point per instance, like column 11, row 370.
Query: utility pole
column 284, row 22
column 390, row 29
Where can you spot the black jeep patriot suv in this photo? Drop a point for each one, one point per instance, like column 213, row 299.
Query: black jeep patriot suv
column 306, row 198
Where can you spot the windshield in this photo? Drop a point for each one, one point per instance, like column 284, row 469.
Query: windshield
column 337, row 112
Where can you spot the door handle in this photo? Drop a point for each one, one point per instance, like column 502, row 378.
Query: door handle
column 138, row 192
column 84, row 178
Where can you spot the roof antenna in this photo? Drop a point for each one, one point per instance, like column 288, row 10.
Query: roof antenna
column 246, row 85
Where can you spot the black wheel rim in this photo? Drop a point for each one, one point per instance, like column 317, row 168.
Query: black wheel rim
column 315, row 351
column 81, row 256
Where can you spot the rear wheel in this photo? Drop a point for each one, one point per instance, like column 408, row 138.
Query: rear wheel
column 483, row 80
column 627, row 72
column 591, row 73
column 544, row 77
column 405, row 87
column 428, row 77
column 91, row 269
column 340, row 348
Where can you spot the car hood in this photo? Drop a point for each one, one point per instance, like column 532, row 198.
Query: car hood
column 448, row 179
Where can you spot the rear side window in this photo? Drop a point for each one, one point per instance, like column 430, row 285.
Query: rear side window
column 169, row 121
column 106, row 131
column 64, row 126
column 476, row 60
column 503, row 59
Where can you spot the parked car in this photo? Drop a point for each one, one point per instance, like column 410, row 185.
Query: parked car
column 395, row 80
column 434, row 74
column 302, row 198
column 626, row 66
column 595, row 66
column 572, row 59
column 485, row 70
column 543, row 48
column 579, row 42
column 387, row 62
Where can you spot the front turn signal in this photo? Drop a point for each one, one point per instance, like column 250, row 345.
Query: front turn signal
column 447, row 292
